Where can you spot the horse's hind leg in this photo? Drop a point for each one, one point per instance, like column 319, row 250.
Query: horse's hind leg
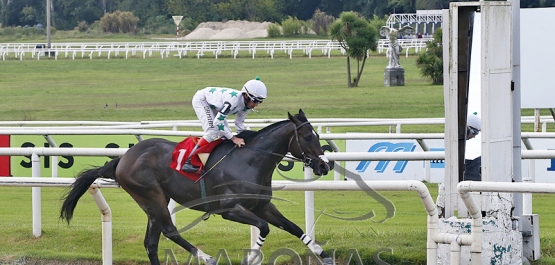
column 152, row 238
column 273, row 216
column 159, row 221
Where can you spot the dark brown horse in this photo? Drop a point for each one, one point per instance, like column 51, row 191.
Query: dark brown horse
column 237, row 184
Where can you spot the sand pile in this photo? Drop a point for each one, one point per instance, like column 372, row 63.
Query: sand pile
column 233, row 29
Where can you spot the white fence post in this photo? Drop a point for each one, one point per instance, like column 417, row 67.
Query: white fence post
column 309, row 206
column 106, row 224
column 36, row 197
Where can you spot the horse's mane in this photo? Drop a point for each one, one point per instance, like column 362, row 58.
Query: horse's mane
column 249, row 134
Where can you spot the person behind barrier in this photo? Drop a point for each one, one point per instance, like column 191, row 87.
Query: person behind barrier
column 473, row 167
column 213, row 105
column 473, row 125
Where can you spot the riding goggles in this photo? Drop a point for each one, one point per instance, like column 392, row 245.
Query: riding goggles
column 473, row 131
column 254, row 99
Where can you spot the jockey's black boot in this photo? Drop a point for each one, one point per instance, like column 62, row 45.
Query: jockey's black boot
column 188, row 167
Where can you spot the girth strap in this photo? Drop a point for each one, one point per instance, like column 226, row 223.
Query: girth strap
column 203, row 195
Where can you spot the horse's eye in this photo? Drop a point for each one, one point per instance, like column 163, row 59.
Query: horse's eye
column 308, row 137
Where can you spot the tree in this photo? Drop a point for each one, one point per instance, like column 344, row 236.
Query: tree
column 431, row 62
column 356, row 36
column 29, row 15
column 198, row 10
column 144, row 10
column 251, row 10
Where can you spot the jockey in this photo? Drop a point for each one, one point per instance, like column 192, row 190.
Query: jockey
column 212, row 106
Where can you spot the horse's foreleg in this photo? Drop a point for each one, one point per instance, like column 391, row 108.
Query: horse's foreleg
column 273, row 216
column 241, row 215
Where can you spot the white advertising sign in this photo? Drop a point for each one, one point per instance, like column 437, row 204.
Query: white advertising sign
column 536, row 57
column 395, row 170
column 419, row 170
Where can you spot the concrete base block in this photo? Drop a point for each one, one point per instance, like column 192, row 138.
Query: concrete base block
column 500, row 245
column 394, row 76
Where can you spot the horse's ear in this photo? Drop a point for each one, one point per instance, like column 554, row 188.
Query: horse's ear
column 301, row 112
column 292, row 118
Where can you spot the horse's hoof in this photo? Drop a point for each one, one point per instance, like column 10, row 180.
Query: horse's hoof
column 211, row 261
column 245, row 261
column 327, row 261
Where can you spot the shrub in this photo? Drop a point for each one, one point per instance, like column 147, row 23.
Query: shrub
column 82, row 26
column 124, row 22
column 305, row 27
column 159, row 25
column 431, row 62
column 274, row 31
column 9, row 31
column 321, row 22
column 291, row 26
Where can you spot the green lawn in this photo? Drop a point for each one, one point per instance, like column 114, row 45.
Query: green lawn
column 161, row 89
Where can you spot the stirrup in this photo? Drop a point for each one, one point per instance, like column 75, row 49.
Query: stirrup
column 188, row 167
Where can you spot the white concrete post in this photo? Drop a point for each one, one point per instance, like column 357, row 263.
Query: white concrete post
column 309, row 206
column 171, row 207
column 36, row 197
column 106, row 224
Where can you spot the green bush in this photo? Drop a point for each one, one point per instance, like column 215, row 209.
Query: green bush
column 83, row 26
column 431, row 62
column 274, row 31
column 9, row 31
column 188, row 23
column 119, row 22
column 291, row 26
column 321, row 22
column 159, row 25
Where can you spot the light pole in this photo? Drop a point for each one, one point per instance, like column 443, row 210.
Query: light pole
column 48, row 6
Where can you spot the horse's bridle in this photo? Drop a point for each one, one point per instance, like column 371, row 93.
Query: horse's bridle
column 306, row 160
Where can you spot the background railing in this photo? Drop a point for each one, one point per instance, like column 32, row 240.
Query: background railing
column 182, row 49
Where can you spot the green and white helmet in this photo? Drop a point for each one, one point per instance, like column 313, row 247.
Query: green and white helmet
column 255, row 89
column 474, row 121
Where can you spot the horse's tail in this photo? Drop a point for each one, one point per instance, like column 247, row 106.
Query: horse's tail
column 82, row 184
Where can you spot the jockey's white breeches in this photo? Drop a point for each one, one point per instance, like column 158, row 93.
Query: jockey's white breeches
column 206, row 116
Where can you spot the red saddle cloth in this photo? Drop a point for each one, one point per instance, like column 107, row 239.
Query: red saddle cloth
column 182, row 151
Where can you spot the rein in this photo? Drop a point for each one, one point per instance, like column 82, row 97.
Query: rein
column 296, row 135
column 305, row 160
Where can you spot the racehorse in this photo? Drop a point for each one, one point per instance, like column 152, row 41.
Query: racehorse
column 236, row 184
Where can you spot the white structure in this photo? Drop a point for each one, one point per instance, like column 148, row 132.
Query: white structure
column 500, row 96
column 423, row 19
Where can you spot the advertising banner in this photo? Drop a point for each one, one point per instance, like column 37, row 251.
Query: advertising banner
column 4, row 160
column 70, row 166
column 396, row 170
column 419, row 170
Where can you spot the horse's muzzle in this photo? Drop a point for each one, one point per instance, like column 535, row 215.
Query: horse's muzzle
column 319, row 166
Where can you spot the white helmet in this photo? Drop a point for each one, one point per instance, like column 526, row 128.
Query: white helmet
column 474, row 121
column 255, row 89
